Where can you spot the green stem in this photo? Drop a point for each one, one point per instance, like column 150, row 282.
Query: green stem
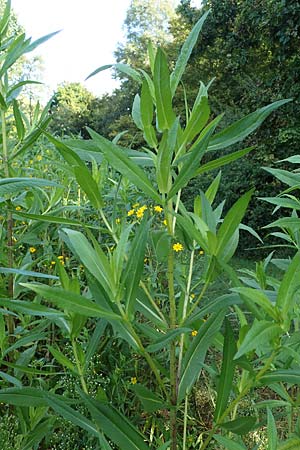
column 173, row 324
column 10, row 255
column 79, row 368
column 185, row 422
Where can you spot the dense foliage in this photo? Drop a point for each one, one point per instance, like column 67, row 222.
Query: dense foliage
column 125, row 322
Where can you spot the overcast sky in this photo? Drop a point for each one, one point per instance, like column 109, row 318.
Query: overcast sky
column 90, row 32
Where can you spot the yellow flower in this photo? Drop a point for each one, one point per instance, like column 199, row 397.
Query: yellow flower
column 39, row 157
column 53, row 263
column 118, row 220
column 194, row 333
column 192, row 296
column 158, row 209
column 61, row 257
column 133, row 380
column 140, row 212
column 165, row 222
column 201, row 252
column 32, row 249
column 18, row 208
column 130, row 212
column 177, row 247
column 135, row 205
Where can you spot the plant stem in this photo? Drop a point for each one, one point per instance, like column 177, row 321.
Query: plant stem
column 173, row 324
column 185, row 422
column 10, row 255
column 79, row 368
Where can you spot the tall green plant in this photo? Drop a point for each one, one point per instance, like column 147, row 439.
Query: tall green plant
column 173, row 335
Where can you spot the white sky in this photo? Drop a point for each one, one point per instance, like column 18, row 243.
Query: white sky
column 90, row 32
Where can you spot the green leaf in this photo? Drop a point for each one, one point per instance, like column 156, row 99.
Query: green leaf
column 185, row 53
column 260, row 298
column 163, row 96
column 30, row 308
column 24, row 396
column 34, row 437
column 272, row 431
column 260, row 333
column 197, row 121
column 289, row 178
column 227, row 371
column 10, row 186
column 116, row 426
column 195, row 355
column 147, row 109
column 121, row 162
column 223, row 160
column 10, row 379
column 18, row 120
column 240, row 426
column 163, row 341
column 3, row 104
column 71, row 302
column 28, row 273
column 124, row 68
column 62, row 359
column 229, row 444
column 286, row 222
column 295, row 159
column 231, row 223
column 40, row 41
column 89, row 186
column 53, row 219
column 60, row 406
column 282, row 202
column 136, row 112
column 292, row 443
column 134, row 265
column 193, row 158
column 150, row 401
column 243, row 127
column 289, row 285
column 5, row 18
column 291, row 376
column 94, row 259
column 164, row 156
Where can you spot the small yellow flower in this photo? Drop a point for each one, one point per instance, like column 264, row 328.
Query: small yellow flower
column 118, row 220
column 158, row 209
column 177, row 247
column 32, row 249
column 146, row 260
column 18, row 208
column 133, row 380
column 62, row 262
column 131, row 212
column 135, row 205
column 61, row 257
column 140, row 212
column 165, row 222
column 194, row 333
column 192, row 296
column 14, row 239
column 201, row 252
column 39, row 157
column 53, row 263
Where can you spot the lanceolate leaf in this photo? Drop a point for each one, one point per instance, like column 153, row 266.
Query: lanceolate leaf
column 124, row 68
column 71, row 302
column 231, row 222
column 135, row 265
column 240, row 426
column 10, row 186
column 289, row 286
column 150, row 401
column 115, row 426
column 260, row 333
column 30, row 308
column 227, row 371
column 185, row 53
column 223, row 160
column 125, row 165
column 163, row 341
column 195, row 355
column 272, row 431
column 243, row 127
column 229, row 444
column 165, row 113
column 89, row 186
column 193, row 158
